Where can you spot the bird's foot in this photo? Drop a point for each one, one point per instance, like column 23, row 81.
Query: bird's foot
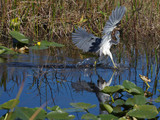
column 115, row 67
column 95, row 63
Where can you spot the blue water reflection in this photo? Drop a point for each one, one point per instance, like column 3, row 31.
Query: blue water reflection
column 61, row 86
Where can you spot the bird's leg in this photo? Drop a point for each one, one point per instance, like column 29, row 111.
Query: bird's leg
column 110, row 55
column 114, row 64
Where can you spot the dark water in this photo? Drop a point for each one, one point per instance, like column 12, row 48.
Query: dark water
column 62, row 86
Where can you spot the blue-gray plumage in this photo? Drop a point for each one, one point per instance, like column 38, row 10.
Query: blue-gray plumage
column 90, row 43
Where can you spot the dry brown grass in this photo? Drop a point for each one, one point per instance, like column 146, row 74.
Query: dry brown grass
column 56, row 19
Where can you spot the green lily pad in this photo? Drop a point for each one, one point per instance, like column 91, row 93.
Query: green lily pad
column 157, row 99
column 82, row 105
column 54, row 108
column 73, row 110
column 143, row 111
column 5, row 50
column 89, row 116
column 132, row 88
column 10, row 104
column 119, row 102
column 117, row 109
column 123, row 118
column 2, row 51
column 137, row 99
column 26, row 113
column 134, row 91
column 19, row 36
column 46, row 43
column 112, row 89
column 56, row 115
column 107, row 117
column 106, row 107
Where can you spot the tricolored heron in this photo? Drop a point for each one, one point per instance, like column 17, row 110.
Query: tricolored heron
column 90, row 43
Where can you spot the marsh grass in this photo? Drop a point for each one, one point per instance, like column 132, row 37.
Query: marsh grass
column 53, row 20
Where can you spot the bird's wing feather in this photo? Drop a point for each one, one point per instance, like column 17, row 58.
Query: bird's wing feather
column 114, row 19
column 84, row 40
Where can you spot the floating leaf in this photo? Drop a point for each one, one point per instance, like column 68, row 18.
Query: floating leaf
column 5, row 50
column 10, row 104
column 82, row 105
column 106, row 107
column 107, row 117
column 137, row 99
column 46, row 43
column 117, row 109
column 73, row 110
column 89, row 116
column 134, row 91
column 59, row 115
column 54, row 108
column 119, row 102
column 112, row 89
column 124, row 118
column 157, row 99
column 25, row 113
column 19, row 36
column 128, row 85
column 143, row 111
column 2, row 51
column 132, row 88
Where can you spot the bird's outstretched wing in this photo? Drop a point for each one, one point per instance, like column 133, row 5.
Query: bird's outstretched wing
column 85, row 41
column 114, row 19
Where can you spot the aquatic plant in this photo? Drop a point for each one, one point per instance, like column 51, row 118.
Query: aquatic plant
column 21, row 41
column 53, row 19
column 137, row 107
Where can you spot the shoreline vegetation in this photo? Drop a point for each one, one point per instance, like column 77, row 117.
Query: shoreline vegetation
column 53, row 20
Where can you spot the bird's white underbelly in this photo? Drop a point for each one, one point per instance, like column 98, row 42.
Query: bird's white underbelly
column 105, row 48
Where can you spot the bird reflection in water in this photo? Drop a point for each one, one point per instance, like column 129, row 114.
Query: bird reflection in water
column 96, row 88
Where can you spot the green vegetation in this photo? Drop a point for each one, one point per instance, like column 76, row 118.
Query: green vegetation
column 135, row 107
column 49, row 20
column 19, row 38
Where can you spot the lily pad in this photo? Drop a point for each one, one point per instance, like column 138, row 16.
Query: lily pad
column 56, row 115
column 82, row 105
column 73, row 110
column 89, row 116
column 112, row 89
column 157, row 99
column 143, row 111
column 46, row 43
column 2, row 51
column 117, row 110
column 107, row 117
column 119, row 102
column 19, row 36
column 106, row 107
column 10, row 104
column 5, row 50
column 54, row 108
column 137, row 99
column 26, row 113
column 132, row 88
column 124, row 118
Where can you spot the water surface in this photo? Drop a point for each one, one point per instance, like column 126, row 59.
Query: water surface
column 61, row 86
